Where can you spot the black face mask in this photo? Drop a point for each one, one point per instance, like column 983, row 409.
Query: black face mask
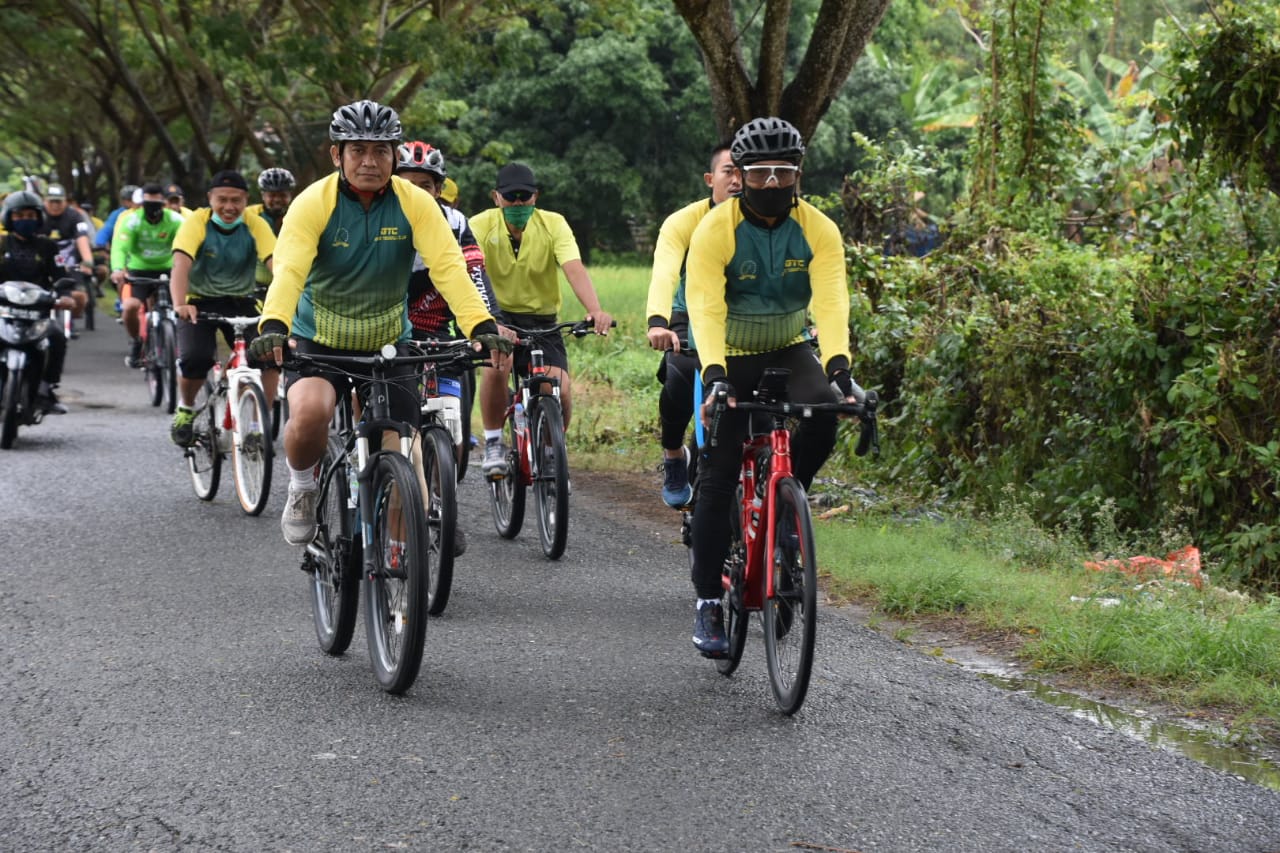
column 770, row 202
column 152, row 210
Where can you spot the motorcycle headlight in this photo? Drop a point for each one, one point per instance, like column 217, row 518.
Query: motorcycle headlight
column 22, row 293
column 21, row 334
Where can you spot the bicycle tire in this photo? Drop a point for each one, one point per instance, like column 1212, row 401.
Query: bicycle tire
column 151, row 361
column 10, row 402
column 204, row 456
column 507, row 496
column 334, row 556
column 468, row 381
column 734, row 578
column 167, row 347
column 89, row 317
column 550, row 478
column 440, row 508
column 790, row 614
column 252, row 457
column 395, row 602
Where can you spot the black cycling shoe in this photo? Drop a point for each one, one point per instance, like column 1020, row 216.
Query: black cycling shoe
column 48, row 401
column 709, row 637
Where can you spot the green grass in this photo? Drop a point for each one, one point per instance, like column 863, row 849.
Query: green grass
column 1001, row 573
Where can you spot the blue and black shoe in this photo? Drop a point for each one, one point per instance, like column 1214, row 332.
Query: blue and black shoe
column 676, row 491
column 708, row 630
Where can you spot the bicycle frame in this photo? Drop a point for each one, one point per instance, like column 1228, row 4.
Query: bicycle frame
column 528, row 392
column 232, row 376
column 771, row 449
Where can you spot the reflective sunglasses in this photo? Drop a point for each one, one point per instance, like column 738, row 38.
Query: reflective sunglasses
column 759, row 176
column 517, row 195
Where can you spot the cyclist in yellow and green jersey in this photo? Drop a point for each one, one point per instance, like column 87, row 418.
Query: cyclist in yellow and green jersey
column 756, row 265
column 525, row 249
column 669, row 323
column 215, row 255
column 341, row 282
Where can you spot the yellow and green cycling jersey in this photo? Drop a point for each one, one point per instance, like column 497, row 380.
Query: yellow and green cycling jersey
column 342, row 272
column 528, row 281
column 263, row 275
column 666, row 283
column 224, row 261
column 749, row 288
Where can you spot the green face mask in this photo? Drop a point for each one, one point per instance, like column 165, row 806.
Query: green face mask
column 518, row 216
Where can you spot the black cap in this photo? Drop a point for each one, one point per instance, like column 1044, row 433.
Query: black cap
column 173, row 191
column 516, row 176
column 230, row 179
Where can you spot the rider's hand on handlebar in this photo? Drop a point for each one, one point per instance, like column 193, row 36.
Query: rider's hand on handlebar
column 842, row 380
column 498, row 345
column 602, row 321
column 663, row 339
column 269, row 346
column 119, row 277
column 716, row 391
column 187, row 312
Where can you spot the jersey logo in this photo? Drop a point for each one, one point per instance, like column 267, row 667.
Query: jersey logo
column 342, row 238
column 748, row 271
column 390, row 232
column 794, row 265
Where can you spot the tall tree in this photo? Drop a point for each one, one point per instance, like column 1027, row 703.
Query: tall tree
column 840, row 32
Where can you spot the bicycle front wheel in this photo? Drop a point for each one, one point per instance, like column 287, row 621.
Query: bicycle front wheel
column 441, row 505
column 252, row 456
column 334, row 556
column 550, row 478
column 395, row 603
column 204, row 458
column 151, row 361
column 167, row 349
column 791, row 613
column 507, row 496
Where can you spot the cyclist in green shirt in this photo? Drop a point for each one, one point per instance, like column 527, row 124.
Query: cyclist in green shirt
column 142, row 245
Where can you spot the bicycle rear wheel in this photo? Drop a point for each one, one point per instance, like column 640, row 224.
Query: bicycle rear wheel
column 204, row 457
column 734, row 577
column 550, row 478
column 333, row 558
column 395, row 604
column 441, row 505
column 251, row 452
column 791, row 613
column 507, row 496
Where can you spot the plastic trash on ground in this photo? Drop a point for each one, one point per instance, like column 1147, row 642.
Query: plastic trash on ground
column 1182, row 564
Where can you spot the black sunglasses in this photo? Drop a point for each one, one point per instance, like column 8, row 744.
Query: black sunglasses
column 517, row 195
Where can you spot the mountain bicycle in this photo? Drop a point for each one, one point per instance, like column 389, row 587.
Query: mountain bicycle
column 232, row 416
column 536, row 454
column 442, row 427
column 158, row 326
column 772, row 566
column 371, row 522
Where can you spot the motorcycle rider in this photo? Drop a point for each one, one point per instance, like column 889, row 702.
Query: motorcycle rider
column 26, row 255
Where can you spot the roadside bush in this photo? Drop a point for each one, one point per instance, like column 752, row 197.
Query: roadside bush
column 1144, row 382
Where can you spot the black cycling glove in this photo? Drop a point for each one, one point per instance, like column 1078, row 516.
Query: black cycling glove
column 490, row 341
column 842, row 380
column 261, row 347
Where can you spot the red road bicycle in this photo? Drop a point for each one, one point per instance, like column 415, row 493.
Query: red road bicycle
column 536, row 455
column 772, row 565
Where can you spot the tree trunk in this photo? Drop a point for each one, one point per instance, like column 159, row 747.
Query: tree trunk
column 841, row 32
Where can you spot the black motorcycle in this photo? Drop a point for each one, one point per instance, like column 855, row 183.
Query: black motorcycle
column 25, row 325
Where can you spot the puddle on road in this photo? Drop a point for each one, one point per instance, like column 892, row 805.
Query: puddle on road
column 1202, row 745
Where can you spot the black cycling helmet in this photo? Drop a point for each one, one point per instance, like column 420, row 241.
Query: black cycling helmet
column 420, row 157
column 276, row 180
column 21, row 200
column 768, row 138
column 365, row 121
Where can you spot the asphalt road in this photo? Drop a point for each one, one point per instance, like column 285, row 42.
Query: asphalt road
column 161, row 689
